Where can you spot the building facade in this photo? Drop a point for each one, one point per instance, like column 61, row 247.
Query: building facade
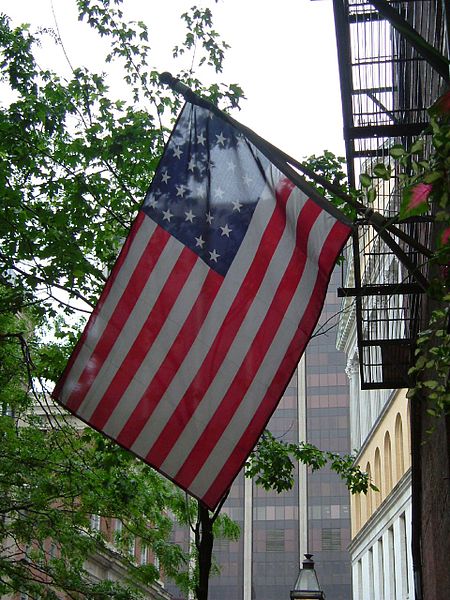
column 380, row 547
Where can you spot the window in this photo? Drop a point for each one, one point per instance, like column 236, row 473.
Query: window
column 331, row 539
column 378, row 478
column 53, row 550
column 359, row 584
column 387, row 463
column 403, row 555
column 391, row 554
column 132, row 547
column 399, row 456
column 95, row 522
column 381, row 573
column 118, row 526
column 144, row 554
column 357, row 500
column 275, row 540
column 371, row 578
column 369, row 494
column 156, row 562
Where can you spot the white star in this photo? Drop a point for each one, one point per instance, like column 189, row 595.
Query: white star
column 191, row 165
column 152, row 203
column 189, row 216
column 209, row 218
column 201, row 139
column 181, row 190
column 201, row 192
column 221, row 139
column 236, row 205
column 231, row 166
column 226, row 230
column 200, row 242
column 219, row 193
column 167, row 215
column 165, row 177
column 248, row 179
column 177, row 152
column 213, row 255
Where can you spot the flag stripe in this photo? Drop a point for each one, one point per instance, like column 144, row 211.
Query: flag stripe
column 256, row 353
column 172, row 360
column 333, row 244
column 128, row 299
column 133, row 326
column 147, row 335
column 226, row 333
column 166, row 337
column 126, row 257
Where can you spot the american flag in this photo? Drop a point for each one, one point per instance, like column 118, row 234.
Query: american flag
column 208, row 309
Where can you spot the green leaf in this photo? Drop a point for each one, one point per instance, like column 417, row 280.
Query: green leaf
column 433, row 177
column 397, row 151
column 365, row 180
column 380, row 170
column 417, row 146
column 371, row 195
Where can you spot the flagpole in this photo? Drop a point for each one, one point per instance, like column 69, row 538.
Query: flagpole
column 285, row 162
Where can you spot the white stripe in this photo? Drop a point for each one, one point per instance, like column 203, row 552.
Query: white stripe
column 243, row 416
column 138, row 245
column 158, row 351
column 132, row 328
column 208, row 332
column 242, row 342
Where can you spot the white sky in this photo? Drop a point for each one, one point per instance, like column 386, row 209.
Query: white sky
column 283, row 54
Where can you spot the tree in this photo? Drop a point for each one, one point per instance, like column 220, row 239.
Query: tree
column 75, row 164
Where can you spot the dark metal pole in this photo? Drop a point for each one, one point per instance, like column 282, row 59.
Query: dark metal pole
column 286, row 163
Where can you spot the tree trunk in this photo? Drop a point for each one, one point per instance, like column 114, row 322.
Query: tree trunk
column 204, row 540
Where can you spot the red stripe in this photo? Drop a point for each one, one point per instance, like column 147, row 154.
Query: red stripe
column 92, row 319
column 172, row 360
column 332, row 246
column 146, row 337
column 257, row 351
column 127, row 301
column 227, row 331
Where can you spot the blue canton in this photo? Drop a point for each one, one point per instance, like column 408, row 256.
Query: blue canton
column 206, row 187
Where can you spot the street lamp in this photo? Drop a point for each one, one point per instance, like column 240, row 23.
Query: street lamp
column 307, row 585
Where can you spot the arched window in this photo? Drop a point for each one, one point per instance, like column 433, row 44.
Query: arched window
column 377, row 478
column 387, row 464
column 357, row 501
column 369, row 494
column 399, row 449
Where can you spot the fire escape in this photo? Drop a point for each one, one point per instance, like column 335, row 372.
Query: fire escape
column 392, row 68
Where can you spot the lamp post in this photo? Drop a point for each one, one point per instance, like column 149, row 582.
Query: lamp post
column 307, row 585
